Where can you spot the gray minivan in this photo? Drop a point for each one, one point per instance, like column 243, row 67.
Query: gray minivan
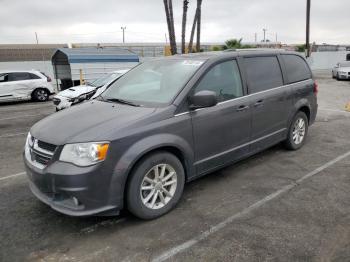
column 167, row 122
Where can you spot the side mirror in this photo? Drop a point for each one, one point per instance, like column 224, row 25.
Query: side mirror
column 203, row 99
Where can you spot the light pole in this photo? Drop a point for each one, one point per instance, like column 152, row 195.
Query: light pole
column 36, row 37
column 308, row 9
column 123, row 28
column 264, row 35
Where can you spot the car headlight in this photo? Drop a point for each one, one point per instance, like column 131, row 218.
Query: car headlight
column 29, row 141
column 81, row 97
column 84, row 154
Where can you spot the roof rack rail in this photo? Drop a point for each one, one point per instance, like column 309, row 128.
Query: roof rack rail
column 254, row 49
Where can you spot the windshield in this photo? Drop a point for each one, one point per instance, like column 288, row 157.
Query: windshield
column 105, row 80
column 153, row 82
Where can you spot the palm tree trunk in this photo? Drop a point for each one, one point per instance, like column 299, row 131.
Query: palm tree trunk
column 190, row 45
column 199, row 18
column 172, row 38
column 170, row 23
column 184, row 21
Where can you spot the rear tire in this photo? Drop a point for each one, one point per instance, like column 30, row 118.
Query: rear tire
column 40, row 95
column 155, row 186
column 297, row 132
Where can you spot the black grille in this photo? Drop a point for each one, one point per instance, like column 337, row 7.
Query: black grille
column 40, row 157
column 56, row 101
column 42, row 152
column 46, row 146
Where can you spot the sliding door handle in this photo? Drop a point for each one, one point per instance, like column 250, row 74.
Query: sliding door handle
column 259, row 103
column 242, row 108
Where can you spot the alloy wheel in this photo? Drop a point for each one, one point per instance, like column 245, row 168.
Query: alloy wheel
column 41, row 95
column 158, row 186
column 299, row 131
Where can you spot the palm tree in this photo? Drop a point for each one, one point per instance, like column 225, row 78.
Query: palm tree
column 168, row 5
column 184, row 21
column 199, row 23
column 190, row 45
column 233, row 43
column 196, row 23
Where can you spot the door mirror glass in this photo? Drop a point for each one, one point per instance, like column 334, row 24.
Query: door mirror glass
column 203, row 99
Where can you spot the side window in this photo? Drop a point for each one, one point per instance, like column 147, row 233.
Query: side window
column 3, row 78
column 224, row 79
column 18, row 77
column 33, row 76
column 297, row 69
column 263, row 73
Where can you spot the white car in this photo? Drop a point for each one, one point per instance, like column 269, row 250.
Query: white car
column 78, row 94
column 341, row 70
column 24, row 85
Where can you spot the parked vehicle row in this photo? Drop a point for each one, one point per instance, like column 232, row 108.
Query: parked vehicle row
column 164, row 123
column 78, row 94
column 25, row 85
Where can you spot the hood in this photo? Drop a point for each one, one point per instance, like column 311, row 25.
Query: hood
column 76, row 91
column 344, row 69
column 90, row 121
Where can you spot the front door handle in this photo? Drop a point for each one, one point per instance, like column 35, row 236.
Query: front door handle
column 259, row 103
column 242, row 108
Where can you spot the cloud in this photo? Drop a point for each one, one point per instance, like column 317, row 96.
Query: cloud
column 100, row 21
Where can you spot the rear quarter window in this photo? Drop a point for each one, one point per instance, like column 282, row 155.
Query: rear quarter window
column 34, row 76
column 297, row 69
column 263, row 73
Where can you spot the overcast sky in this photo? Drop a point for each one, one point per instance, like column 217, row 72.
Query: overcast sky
column 70, row 21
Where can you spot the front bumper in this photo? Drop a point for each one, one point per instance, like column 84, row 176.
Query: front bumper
column 73, row 190
column 344, row 76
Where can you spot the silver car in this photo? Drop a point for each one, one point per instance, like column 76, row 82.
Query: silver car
column 341, row 70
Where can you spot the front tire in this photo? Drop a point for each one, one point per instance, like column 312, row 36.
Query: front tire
column 40, row 95
column 338, row 77
column 155, row 186
column 297, row 132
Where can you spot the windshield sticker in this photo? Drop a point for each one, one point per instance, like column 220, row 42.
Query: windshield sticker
column 192, row 63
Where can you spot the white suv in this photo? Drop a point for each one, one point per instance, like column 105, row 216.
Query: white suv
column 25, row 85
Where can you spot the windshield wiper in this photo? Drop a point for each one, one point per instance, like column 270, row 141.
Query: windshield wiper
column 121, row 101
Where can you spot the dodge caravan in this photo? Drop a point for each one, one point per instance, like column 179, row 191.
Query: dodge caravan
column 167, row 122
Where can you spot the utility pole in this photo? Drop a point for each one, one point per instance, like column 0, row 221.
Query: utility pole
column 256, row 37
column 308, row 9
column 166, row 39
column 36, row 37
column 264, row 35
column 123, row 28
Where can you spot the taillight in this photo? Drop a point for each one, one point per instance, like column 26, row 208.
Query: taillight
column 49, row 79
column 315, row 87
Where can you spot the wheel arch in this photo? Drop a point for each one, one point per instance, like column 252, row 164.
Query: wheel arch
column 307, row 111
column 41, row 87
column 137, row 152
column 302, row 105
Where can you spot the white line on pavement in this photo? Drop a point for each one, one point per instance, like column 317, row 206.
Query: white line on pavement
column 12, row 176
column 22, row 116
column 333, row 110
column 188, row 244
column 12, row 135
